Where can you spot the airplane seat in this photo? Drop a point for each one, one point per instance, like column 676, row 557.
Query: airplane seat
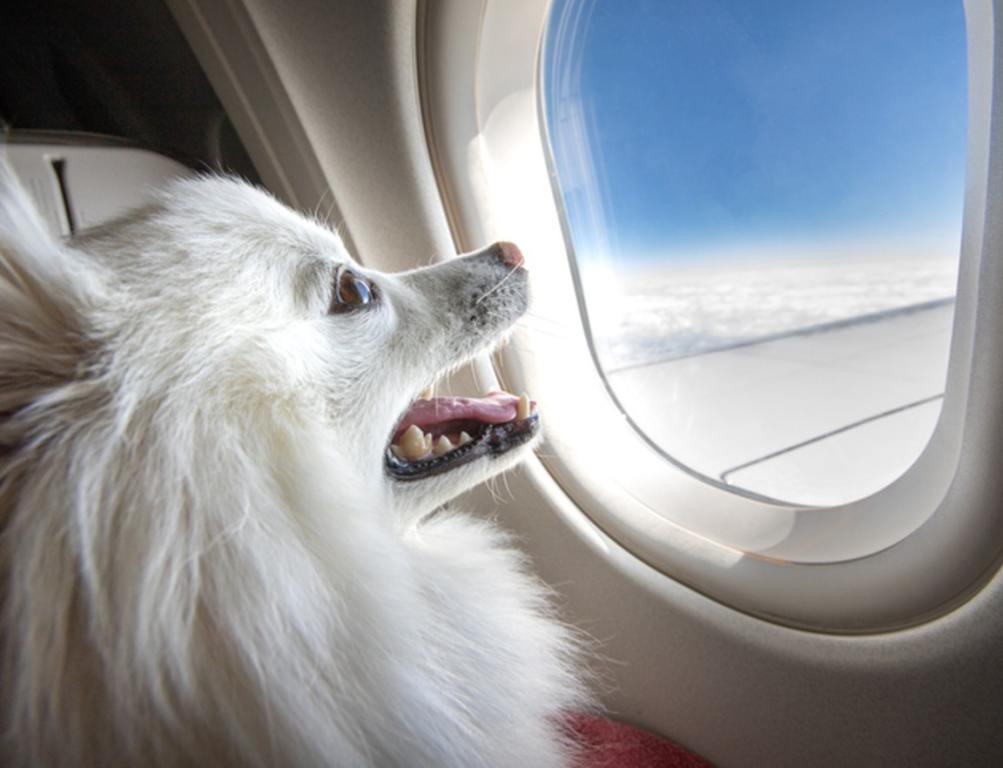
column 80, row 180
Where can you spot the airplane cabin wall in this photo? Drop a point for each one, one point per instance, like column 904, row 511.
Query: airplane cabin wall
column 325, row 97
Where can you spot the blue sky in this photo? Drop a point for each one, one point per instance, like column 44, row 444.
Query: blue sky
column 721, row 122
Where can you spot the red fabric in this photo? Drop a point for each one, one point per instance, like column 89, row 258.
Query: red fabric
column 609, row 744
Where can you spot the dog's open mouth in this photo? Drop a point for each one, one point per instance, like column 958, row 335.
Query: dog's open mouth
column 437, row 434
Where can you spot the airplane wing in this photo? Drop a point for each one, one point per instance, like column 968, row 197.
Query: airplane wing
column 819, row 417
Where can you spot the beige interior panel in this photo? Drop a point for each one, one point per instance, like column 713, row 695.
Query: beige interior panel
column 324, row 95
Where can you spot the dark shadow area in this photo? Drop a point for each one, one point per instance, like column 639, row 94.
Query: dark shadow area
column 117, row 68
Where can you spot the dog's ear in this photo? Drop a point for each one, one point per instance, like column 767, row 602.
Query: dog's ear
column 43, row 295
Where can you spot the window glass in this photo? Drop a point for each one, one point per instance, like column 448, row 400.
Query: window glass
column 763, row 199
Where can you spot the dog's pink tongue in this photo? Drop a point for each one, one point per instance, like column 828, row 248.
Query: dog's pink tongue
column 493, row 408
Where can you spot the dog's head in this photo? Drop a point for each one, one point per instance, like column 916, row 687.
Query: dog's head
column 208, row 417
column 221, row 298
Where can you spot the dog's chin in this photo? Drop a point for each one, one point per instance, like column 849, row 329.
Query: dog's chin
column 443, row 446
column 416, row 498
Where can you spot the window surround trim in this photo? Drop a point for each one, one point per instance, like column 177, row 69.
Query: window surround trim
column 902, row 556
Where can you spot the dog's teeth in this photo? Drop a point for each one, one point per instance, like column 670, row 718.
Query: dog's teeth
column 426, row 394
column 429, row 441
column 398, row 451
column 465, row 438
column 412, row 443
column 442, row 446
column 523, row 411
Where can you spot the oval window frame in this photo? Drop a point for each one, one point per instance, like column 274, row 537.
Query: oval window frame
column 860, row 567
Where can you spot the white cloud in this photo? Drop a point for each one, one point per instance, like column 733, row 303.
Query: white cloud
column 658, row 313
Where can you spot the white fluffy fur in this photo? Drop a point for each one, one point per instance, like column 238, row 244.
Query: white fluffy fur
column 202, row 560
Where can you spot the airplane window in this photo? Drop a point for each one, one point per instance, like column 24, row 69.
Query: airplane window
column 764, row 200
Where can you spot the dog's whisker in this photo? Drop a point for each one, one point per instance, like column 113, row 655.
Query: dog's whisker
column 545, row 326
column 497, row 285
column 327, row 196
column 327, row 215
column 493, row 490
column 315, row 211
column 546, row 455
column 508, row 488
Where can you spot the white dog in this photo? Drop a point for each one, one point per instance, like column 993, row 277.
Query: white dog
column 216, row 543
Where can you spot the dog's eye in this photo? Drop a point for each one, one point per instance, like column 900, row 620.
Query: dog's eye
column 351, row 291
